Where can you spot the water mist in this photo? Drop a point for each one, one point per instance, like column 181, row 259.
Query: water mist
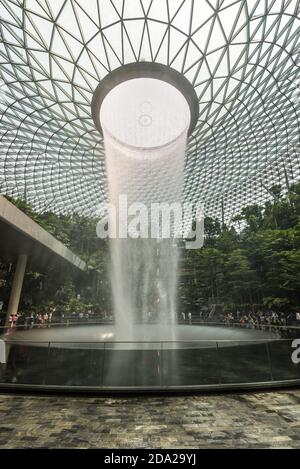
column 145, row 123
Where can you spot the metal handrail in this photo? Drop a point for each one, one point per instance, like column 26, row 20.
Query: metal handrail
column 109, row 322
column 51, row 324
column 187, row 341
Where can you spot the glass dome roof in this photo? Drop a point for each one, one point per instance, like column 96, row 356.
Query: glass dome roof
column 242, row 57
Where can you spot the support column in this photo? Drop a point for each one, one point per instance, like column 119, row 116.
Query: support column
column 16, row 288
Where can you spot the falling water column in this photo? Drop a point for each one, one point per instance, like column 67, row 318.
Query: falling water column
column 145, row 123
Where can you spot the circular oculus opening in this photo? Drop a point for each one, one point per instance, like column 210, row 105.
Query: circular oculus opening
column 146, row 101
column 145, row 113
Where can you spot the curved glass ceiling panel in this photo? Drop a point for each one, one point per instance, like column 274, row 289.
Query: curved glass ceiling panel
column 242, row 57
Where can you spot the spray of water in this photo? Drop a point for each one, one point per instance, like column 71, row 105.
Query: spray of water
column 145, row 124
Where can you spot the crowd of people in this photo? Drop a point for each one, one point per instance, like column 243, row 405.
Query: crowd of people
column 253, row 320
column 258, row 319
column 250, row 319
column 45, row 319
column 30, row 319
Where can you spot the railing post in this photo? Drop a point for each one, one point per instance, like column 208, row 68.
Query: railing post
column 219, row 365
column 269, row 360
column 102, row 366
column 161, row 364
column 47, row 363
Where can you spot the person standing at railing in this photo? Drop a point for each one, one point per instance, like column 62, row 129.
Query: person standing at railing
column 31, row 320
column 50, row 319
column 45, row 317
column 15, row 319
column 40, row 320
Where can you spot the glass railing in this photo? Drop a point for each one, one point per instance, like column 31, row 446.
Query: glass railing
column 150, row 365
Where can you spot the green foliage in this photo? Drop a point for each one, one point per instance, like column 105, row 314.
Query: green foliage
column 256, row 261
column 58, row 288
column 257, row 265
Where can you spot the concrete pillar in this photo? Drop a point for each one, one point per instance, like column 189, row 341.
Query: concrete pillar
column 16, row 288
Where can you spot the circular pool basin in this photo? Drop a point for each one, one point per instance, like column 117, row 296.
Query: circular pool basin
column 150, row 358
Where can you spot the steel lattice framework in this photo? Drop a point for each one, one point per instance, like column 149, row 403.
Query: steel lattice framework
column 242, row 58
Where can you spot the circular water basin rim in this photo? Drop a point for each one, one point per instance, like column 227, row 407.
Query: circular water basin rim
column 143, row 336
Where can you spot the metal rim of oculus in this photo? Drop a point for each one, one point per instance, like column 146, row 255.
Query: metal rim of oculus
column 145, row 70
